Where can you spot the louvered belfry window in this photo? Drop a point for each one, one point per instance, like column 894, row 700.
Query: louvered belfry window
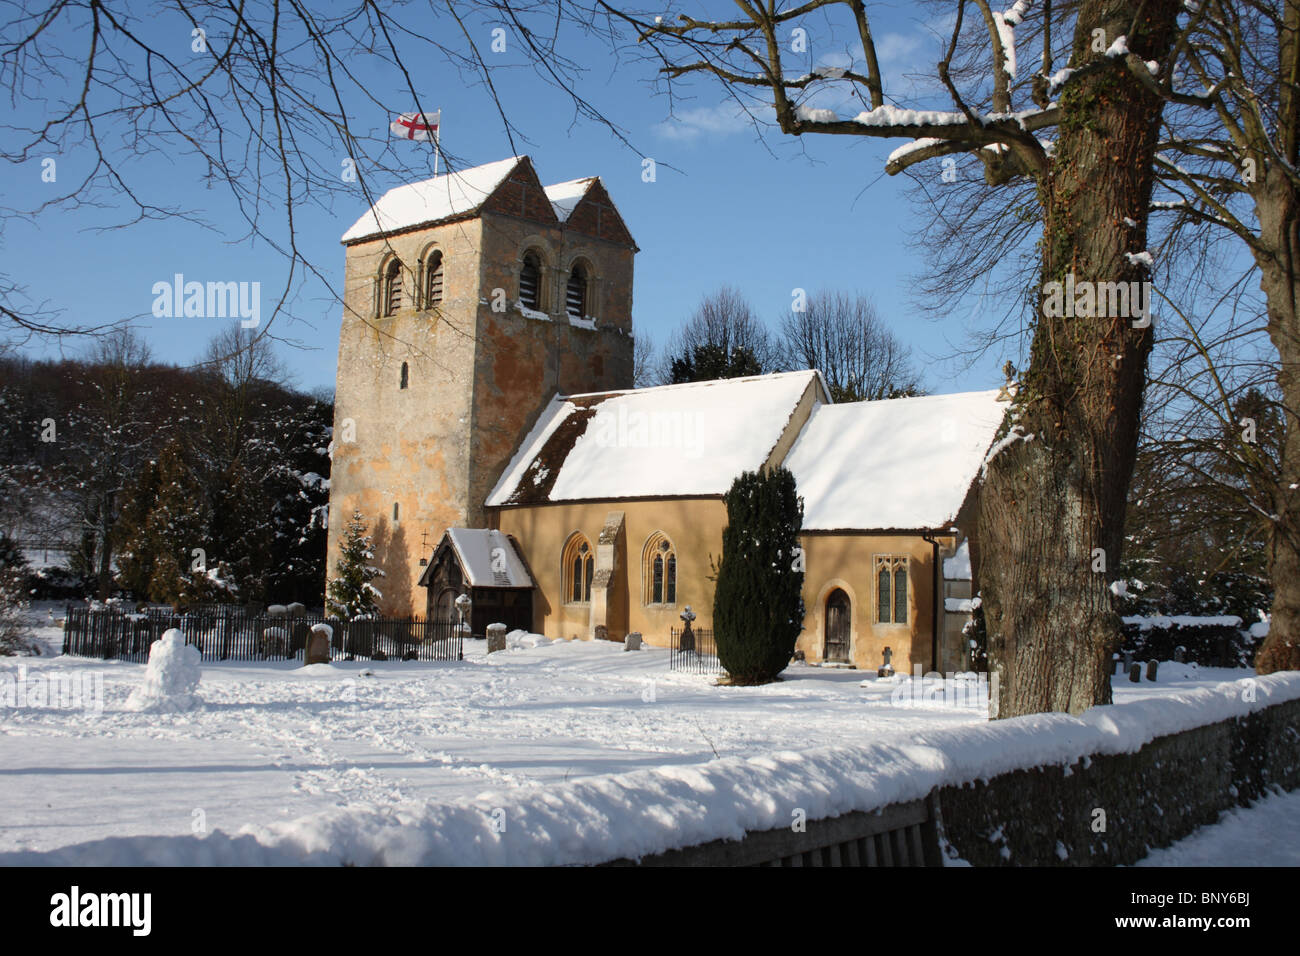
column 433, row 281
column 530, row 282
column 393, row 288
column 575, row 296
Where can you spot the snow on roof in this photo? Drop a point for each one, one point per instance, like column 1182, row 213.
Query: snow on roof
column 489, row 558
column 900, row 464
column 674, row 440
column 957, row 568
column 432, row 200
column 565, row 197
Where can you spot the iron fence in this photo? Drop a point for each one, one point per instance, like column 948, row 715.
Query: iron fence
column 242, row 635
column 694, row 651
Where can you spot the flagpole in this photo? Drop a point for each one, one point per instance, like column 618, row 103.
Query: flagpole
column 437, row 142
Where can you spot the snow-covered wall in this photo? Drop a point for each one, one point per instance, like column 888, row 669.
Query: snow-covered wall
column 647, row 812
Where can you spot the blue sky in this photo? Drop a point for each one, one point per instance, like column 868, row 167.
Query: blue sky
column 762, row 212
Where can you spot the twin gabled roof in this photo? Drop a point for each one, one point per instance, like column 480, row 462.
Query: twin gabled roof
column 464, row 194
column 903, row 464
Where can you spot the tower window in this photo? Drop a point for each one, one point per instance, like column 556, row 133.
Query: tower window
column 530, row 282
column 433, row 281
column 392, row 292
column 406, row 374
column 396, row 516
column 575, row 295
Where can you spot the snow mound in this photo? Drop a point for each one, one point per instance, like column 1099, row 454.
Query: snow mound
column 519, row 639
column 171, row 678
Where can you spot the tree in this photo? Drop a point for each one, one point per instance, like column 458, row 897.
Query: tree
column 843, row 337
column 723, row 335
column 351, row 593
column 15, row 633
column 708, row 362
column 1053, row 499
column 758, row 602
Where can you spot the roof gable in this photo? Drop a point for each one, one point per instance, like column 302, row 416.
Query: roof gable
column 895, row 464
column 594, row 214
column 688, row 440
column 449, row 196
column 487, row 558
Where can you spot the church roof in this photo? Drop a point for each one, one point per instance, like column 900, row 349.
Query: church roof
column 689, row 440
column 897, row 464
column 488, row 558
column 432, row 200
column 565, row 196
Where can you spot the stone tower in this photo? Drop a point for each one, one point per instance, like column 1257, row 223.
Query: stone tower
column 469, row 300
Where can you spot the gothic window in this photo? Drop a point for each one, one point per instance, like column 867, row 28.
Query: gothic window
column 406, row 376
column 433, row 280
column 391, row 300
column 579, row 566
column 530, row 282
column 659, row 561
column 575, row 293
column 891, row 589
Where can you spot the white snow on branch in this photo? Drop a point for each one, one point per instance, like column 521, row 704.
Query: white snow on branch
column 1007, row 34
column 914, row 146
column 813, row 115
column 1140, row 258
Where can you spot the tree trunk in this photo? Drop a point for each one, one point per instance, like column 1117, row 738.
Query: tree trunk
column 1052, row 506
column 1279, row 221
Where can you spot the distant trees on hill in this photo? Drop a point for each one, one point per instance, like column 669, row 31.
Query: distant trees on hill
column 172, row 484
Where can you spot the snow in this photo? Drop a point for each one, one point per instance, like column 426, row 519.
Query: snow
column 489, row 558
column 1161, row 622
column 1140, row 258
column 565, row 197
column 679, row 440
column 957, row 568
column 1007, row 35
column 813, row 115
column 566, row 752
column 903, row 463
column 432, row 200
column 1246, row 836
column 912, row 147
column 171, row 676
column 959, row 605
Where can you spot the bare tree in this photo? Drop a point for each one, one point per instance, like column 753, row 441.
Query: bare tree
column 724, row 322
column 645, row 370
column 843, row 337
column 1054, row 495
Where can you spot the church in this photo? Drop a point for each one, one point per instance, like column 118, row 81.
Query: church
column 487, row 430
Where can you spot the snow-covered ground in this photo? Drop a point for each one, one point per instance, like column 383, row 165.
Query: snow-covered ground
column 275, row 741
column 1263, row 834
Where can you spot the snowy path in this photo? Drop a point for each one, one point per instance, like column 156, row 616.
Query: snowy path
column 1267, row 833
column 275, row 741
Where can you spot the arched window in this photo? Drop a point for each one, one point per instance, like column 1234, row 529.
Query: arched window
column 659, row 570
column 406, row 376
column 530, row 282
column 578, row 567
column 433, row 280
column 575, row 293
column 391, row 300
column 891, row 589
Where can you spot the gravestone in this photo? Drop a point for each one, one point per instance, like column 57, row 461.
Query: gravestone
column 1135, row 673
column 886, row 669
column 318, row 644
column 1128, row 661
column 297, row 610
column 1151, row 670
column 633, row 641
column 496, row 638
column 1180, row 654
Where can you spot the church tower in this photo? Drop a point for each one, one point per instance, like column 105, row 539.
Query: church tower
column 470, row 299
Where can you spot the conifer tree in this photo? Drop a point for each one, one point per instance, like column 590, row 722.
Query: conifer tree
column 758, row 603
column 351, row 595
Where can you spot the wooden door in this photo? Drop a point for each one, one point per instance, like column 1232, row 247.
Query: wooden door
column 837, row 627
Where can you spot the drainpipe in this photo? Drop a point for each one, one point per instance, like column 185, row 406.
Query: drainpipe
column 937, row 625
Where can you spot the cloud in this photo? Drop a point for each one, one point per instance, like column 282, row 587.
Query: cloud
column 710, row 121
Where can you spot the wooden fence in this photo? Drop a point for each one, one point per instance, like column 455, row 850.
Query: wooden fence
column 237, row 635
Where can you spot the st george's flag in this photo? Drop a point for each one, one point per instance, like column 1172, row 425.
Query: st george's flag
column 418, row 126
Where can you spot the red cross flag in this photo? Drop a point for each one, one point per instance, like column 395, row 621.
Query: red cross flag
column 423, row 126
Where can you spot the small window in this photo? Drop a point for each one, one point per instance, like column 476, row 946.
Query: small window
column 392, row 292
column 579, row 567
column 530, row 282
column 433, row 281
column 660, row 567
column 891, row 589
column 396, row 516
column 575, row 297
column 406, row 375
